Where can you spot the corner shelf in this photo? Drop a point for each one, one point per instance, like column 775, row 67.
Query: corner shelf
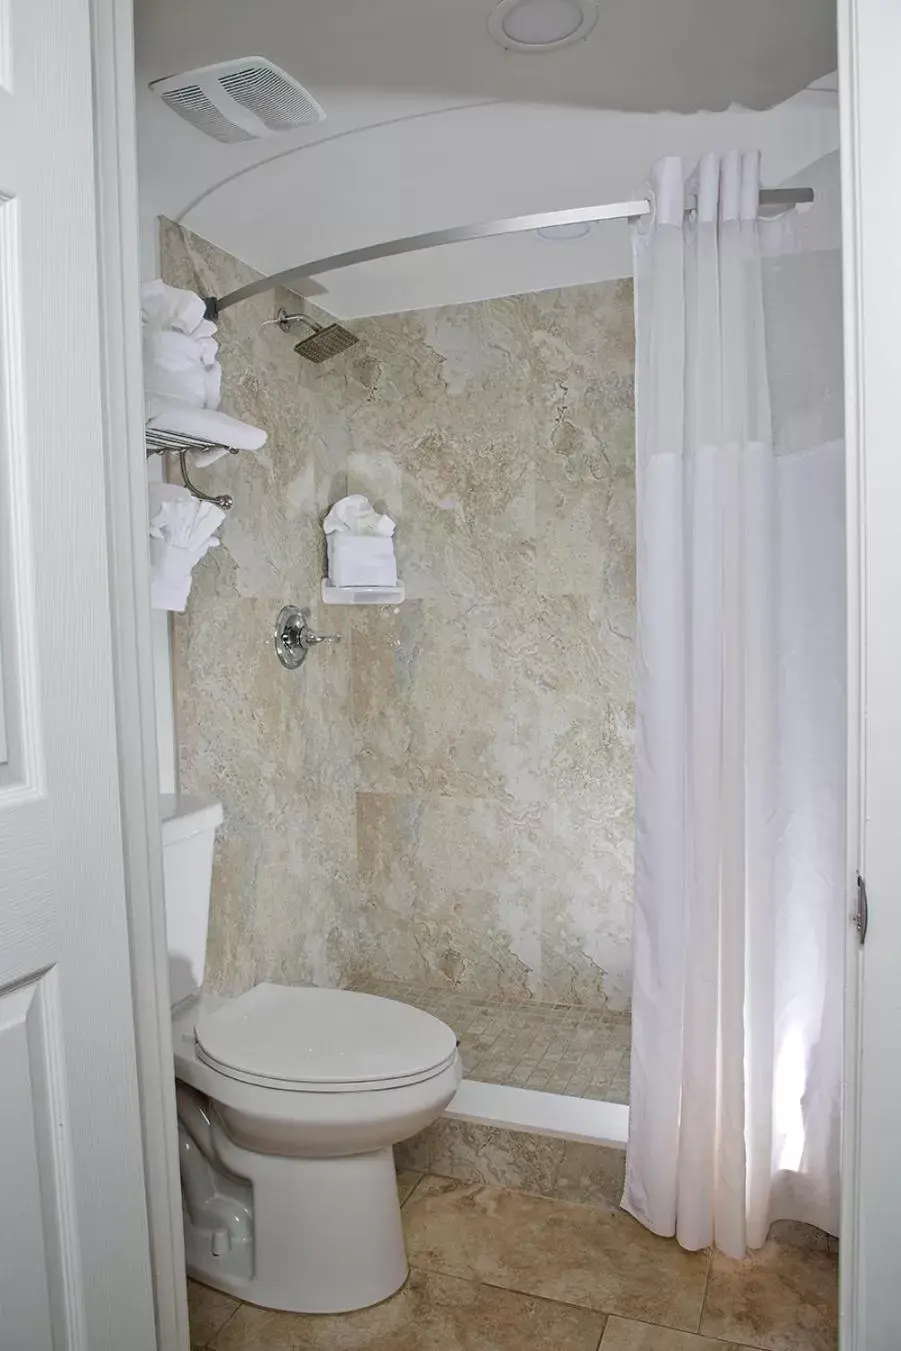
column 362, row 595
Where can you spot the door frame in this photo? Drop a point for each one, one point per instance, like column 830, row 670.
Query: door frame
column 869, row 33
column 869, row 44
column 850, row 1332
column 116, row 180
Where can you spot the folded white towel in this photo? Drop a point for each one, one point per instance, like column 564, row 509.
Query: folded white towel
column 165, row 306
column 179, row 518
column 182, row 531
column 171, row 573
column 361, row 560
column 170, row 372
column 180, row 353
column 212, row 384
column 205, row 424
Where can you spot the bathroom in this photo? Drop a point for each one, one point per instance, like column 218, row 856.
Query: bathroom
column 438, row 807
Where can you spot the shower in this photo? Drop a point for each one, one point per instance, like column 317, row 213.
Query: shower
column 326, row 340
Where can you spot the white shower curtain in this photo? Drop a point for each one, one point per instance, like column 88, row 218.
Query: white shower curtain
column 737, row 992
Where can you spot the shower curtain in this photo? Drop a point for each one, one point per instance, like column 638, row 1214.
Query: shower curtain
column 739, row 908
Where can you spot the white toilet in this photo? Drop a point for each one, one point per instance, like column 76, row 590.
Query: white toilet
column 289, row 1102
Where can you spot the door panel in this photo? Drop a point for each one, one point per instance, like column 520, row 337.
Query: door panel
column 870, row 40
column 74, row 1255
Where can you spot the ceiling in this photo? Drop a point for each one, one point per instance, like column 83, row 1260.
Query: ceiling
column 431, row 124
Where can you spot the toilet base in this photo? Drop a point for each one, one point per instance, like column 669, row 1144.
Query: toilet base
column 327, row 1234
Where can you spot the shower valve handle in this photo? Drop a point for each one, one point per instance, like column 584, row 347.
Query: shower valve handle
column 293, row 637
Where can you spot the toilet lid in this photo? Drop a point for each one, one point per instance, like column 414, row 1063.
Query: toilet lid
column 289, row 1036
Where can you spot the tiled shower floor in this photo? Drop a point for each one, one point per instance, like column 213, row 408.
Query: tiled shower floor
column 557, row 1048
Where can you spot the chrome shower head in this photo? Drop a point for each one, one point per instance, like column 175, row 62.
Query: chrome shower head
column 325, row 341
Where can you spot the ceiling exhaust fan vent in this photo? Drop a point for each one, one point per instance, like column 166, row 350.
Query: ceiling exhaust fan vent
column 242, row 100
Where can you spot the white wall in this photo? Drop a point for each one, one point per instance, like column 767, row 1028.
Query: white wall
column 435, row 168
column 473, row 164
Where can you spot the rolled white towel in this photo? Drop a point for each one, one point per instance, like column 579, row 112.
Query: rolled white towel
column 204, row 424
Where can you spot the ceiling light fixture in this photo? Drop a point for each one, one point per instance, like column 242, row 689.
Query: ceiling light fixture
column 541, row 25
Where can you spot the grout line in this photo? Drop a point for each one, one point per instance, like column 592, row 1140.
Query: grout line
column 706, row 1288
column 239, row 1305
column 606, row 1314
column 416, row 1185
column 512, row 1290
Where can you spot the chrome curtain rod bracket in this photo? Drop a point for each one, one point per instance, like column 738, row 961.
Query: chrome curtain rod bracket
column 461, row 234
column 159, row 442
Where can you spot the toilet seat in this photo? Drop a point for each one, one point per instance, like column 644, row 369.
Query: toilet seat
column 323, row 1041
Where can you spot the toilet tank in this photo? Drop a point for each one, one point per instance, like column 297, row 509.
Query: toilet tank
column 189, row 834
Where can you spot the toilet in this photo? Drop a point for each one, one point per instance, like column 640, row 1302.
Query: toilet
column 290, row 1100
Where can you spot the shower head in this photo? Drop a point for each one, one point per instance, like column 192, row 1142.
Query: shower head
column 325, row 341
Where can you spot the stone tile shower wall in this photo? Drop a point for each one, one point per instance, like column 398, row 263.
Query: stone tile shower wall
column 446, row 797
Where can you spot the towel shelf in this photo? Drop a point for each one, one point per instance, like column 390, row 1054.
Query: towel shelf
column 158, row 441
column 362, row 595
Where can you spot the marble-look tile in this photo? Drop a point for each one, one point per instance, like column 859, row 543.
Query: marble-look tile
column 782, row 1298
column 499, row 435
column 800, row 1235
column 431, row 1313
column 564, row 1170
column 208, row 1311
column 623, row 1334
column 577, row 1254
column 529, row 699
column 445, row 898
column 407, row 1180
column 496, row 896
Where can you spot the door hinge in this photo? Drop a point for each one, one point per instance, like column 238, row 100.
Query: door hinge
column 861, row 915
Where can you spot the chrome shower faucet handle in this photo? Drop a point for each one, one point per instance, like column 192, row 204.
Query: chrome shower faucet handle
column 293, row 637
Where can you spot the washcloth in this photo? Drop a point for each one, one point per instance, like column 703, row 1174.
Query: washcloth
column 355, row 515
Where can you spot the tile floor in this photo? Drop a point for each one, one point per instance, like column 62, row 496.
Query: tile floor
column 497, row 1270
column 558, row 1048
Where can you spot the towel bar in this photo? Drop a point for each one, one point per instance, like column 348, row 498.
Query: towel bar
column 158, row 441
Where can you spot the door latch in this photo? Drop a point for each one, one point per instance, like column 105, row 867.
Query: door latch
column 861, row 915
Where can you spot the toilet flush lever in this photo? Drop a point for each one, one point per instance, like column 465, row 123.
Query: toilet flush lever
column 293, row 637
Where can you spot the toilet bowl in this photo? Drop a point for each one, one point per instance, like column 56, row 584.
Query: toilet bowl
column 290, row 1099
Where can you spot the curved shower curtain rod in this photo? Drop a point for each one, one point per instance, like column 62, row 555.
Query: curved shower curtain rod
column 459, row 234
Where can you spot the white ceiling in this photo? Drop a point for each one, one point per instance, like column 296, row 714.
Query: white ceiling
column 431, row 124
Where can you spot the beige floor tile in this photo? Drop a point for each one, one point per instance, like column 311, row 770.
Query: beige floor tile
column 577, row 1254
column 406, row 1181
column 622, row 1334
column 431, row 1313
column 208, row 1311
column 783, row 1298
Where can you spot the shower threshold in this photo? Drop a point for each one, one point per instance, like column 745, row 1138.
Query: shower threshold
column 547, row 1069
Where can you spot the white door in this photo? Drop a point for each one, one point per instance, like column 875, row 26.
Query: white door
column 870, row 32
column 74, row 1257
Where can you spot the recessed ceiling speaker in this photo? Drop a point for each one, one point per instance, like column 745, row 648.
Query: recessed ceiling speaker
column 541, row 25
column 243, row 100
